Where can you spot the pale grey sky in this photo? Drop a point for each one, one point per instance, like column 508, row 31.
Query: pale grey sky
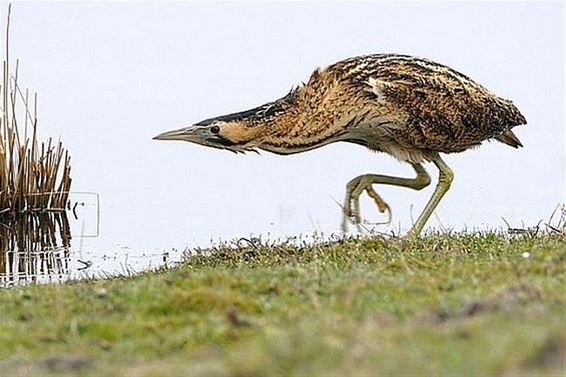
column 112, row 75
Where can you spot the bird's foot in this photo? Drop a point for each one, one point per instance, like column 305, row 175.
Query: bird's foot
column 351, row 208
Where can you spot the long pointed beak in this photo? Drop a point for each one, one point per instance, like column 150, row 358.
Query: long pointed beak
column 198, row 135
column 180, row 134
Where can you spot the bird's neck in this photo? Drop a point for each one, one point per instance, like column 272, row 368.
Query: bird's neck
column 301, row 126
column 288, row 133
column 279, row 126
column 291, row 124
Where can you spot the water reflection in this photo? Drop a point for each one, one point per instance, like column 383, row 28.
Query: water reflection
column 59, row 245
column 34, row 247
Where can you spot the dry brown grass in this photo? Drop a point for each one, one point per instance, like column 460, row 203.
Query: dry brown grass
column 34, row 175
column 34, row 186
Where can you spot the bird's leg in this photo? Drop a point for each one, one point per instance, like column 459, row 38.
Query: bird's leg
column 362, row 183
column 445, row 178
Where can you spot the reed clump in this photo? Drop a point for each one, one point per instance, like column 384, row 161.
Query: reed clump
column 35, row 176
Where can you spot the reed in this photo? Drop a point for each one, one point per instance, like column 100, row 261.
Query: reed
column 35, row 176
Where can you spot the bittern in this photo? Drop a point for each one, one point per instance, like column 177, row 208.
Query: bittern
column 411, row 108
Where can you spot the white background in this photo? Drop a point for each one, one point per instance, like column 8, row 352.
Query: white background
column 110, row 76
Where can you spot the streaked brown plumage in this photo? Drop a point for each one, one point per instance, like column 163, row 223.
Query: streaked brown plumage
column 408, row 107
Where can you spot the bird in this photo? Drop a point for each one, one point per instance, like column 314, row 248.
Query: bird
column 411, row 108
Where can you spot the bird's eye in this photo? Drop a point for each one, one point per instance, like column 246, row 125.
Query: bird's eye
column 215, row 129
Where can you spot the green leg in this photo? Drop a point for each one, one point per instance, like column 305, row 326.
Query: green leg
column 362, row 183
column 444, row 181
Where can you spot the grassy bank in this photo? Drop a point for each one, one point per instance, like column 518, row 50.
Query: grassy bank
column 463, row 304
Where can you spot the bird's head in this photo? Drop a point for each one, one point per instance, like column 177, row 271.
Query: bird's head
column 236, row 135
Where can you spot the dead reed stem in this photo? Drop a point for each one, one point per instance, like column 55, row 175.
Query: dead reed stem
column 34, row 176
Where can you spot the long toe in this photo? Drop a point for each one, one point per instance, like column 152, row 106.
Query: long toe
column 382, row 206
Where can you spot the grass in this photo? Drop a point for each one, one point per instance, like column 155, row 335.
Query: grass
column 467, row 304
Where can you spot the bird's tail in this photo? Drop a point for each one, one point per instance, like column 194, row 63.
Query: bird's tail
column 509, row 138
column 509, row 117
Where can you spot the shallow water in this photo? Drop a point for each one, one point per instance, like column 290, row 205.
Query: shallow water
column 62, row 264
column 61, row 246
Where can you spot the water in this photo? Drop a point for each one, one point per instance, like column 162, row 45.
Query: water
column 110, row 76
column 66, row 245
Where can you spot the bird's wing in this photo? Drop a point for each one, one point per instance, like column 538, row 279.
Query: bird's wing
column 444, row 111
